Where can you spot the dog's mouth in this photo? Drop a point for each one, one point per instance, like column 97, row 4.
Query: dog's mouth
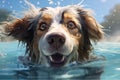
column 57, row 60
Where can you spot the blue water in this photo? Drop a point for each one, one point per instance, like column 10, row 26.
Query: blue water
column 11, row 68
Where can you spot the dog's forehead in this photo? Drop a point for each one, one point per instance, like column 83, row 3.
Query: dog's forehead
column 58, row 11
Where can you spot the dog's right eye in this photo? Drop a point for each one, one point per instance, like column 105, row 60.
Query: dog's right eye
column 43, row 26
column 71, row 25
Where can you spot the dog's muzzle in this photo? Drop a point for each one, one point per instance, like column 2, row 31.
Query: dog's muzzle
column 56, row 41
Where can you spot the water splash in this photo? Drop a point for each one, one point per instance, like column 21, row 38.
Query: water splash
column 30, row 5
column 81, row 2
column 23, row 6
column 61, row 2
column 2, row 55
column 38, row 3
column 50, row 2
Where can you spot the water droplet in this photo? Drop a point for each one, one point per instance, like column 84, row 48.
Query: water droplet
column 8, row 2
column 14, row 11
column 114, row 10
column 11, row 7
column 38, row 3
column 103, row 1
column 109, row 27
column 3, row 1
column 58, row 3
column 3, row 5
column 113, row 15
column 55, row 3
column 50, row 2
column 113, row 22
column 20, row 1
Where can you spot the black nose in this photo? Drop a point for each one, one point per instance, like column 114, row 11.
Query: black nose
column 56, row 40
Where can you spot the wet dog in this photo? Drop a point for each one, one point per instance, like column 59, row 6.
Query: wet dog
column 57, row 36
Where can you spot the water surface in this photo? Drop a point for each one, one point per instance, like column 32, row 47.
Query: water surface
column 11, row 68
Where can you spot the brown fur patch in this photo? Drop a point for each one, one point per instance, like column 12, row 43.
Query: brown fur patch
column 67, row 17
column 18, row 29
column 46, row 18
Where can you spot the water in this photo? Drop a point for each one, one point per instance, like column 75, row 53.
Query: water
column 11, row 68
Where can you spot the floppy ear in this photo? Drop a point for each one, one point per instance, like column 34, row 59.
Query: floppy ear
column 91, row 30
column 19, row 29
column 23, row 31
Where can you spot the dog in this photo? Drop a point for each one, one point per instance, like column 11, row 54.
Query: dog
column 54, row 37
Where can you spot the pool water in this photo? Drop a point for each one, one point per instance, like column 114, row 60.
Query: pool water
column 109, row 69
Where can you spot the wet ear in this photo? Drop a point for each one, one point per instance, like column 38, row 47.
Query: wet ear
column 89, row 24
column 20, row 29
column 91, row 30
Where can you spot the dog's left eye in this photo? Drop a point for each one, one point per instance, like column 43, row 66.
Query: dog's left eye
column 71, row 25
column 43, row 26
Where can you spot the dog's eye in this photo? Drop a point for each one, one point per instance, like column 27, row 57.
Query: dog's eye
column 43, row 26
column 71, row 25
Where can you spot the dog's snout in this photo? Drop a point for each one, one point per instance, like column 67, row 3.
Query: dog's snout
column 56, row 39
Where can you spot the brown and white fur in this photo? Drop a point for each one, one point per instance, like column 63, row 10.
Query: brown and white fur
column 57, row 36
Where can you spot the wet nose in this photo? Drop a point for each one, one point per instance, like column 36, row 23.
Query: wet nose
column 56, row 39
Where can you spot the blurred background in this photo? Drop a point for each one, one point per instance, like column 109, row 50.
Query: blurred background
column 107, row 13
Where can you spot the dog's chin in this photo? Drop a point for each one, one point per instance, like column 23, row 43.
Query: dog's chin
column 57, row 60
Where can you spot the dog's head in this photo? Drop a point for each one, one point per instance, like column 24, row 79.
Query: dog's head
column 57, row 36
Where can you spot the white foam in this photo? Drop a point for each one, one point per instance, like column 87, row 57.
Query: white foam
column 117, row 69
